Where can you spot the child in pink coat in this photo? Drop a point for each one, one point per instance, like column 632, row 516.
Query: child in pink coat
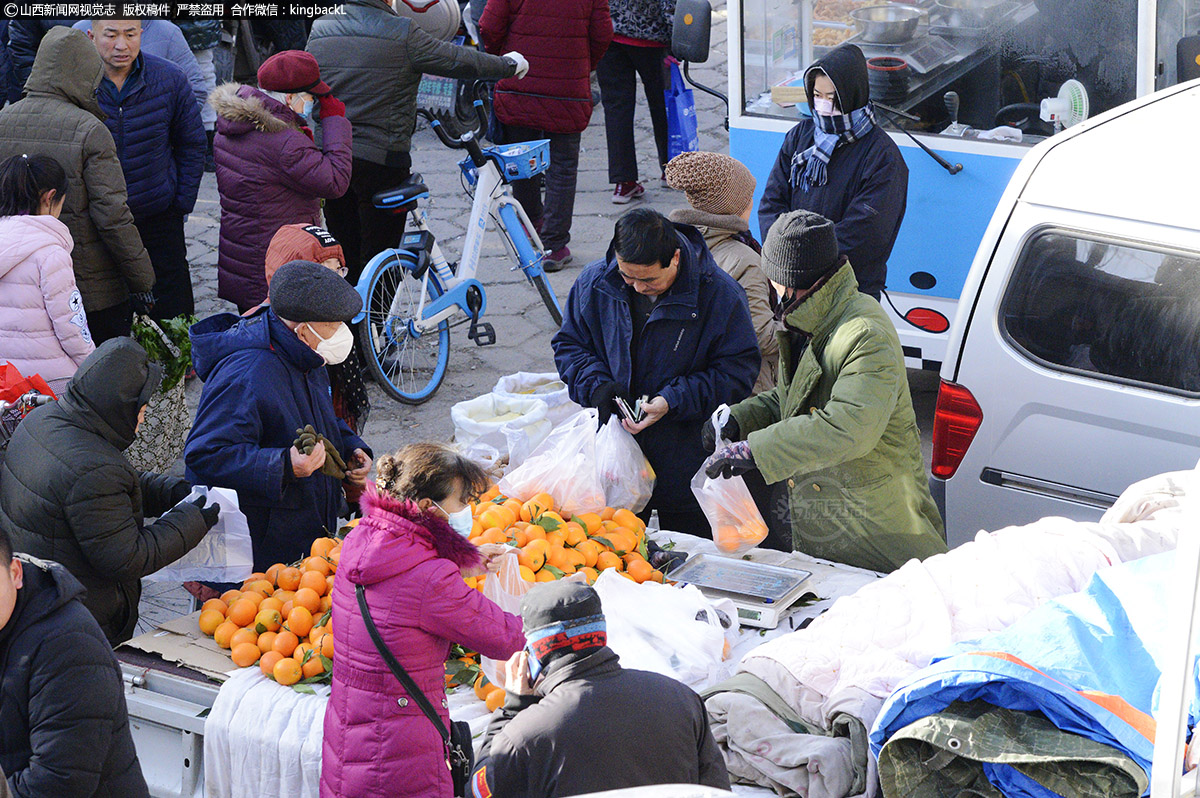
column 411, row 553
column 43, row 329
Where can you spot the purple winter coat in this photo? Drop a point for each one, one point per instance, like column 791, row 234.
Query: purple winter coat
column 269, row 173
column 409, row 563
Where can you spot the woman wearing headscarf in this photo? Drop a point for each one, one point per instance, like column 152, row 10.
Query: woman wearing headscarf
column 840, row 164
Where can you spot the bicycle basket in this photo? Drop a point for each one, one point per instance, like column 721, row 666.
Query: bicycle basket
column 522, row 160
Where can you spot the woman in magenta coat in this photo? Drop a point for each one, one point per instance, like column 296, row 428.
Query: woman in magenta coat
column 411, row 562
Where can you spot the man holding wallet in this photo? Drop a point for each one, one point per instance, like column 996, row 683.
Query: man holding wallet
column 657, row 329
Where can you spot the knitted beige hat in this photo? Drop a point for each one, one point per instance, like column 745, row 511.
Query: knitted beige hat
column 712, row 182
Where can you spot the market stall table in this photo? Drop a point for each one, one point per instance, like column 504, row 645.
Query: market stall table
column 250, row 736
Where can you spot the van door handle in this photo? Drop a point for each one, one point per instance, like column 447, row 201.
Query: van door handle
column 1044, row 487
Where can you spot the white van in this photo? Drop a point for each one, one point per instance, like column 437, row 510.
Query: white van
column 1074, row 362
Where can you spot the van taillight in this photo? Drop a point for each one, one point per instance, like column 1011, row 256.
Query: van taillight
column 955, row 422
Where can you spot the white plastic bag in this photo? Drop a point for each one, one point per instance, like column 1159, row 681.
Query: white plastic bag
column 224, row 555
column 626, row 474
column 677, row 632
column 511, row 425
column 737, row 525
column 563, row 465
column 547, row 386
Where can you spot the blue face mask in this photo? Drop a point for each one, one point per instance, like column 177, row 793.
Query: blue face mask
column 308, row 107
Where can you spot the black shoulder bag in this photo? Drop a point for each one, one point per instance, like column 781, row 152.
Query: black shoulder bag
column 460, row 755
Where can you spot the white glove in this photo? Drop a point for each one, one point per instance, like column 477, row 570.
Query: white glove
column 522, row 64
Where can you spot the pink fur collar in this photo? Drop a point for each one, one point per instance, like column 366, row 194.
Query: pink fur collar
column 448, row 544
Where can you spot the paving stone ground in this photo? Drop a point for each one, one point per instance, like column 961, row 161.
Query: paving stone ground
column 523, row 326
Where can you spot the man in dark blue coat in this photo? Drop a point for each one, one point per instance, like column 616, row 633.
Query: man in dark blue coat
column 840, row 164
column 64, row 726
column 152, row 113
column 264, row 378
column 658, row 318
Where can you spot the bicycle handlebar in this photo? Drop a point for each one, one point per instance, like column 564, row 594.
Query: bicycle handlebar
column 467, row 141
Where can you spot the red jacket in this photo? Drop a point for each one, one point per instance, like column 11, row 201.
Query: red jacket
column 563, row 41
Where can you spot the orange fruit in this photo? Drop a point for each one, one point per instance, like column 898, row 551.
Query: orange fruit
column 621, row 542
column 520, row 536
column 266, row 641
column 318, row 564
column 263, row 586
column 607, row 560
column 230, row 596
column 607, row 513
column 300, row 622
column 492, row 535
column 224, row 633
column 514, row 507
column 545, row 576
column 576, row 558
column 575, row 533
column 335, row 556
column 325, row 645
column 242, row 612
column 556, row 537
column 267, row 663
column 628, row 519
column 301, row 651
column 273, row 573
column 210, row 619
column 535, row 532
column 476, row 529
column 246, row 635
column 482, row 686
column 489, row 494
column 287, row 671
column 326, row 604
column 495, row 699
column 289, row 578
column 557, row 556
column 527, row 574
column 215, row 604
column 554, row 517
column 245, row 655
column 639, row 569
column 268, row 621
column 253, row 596
column 252, row 578
column 533, row 509
column 316, row 633
column 287, row 607
column 322, row 546
column 329, row 585
column 656, row 576
column 271, row 603
column 532, row 557
column 591, row 522
column 727, row 538
column 314, row 666
column 590, row 573
column 284, row 596
column 590, row 550
column 285, row 643
column 314, row 581
column 497, row 516
column 629, row 556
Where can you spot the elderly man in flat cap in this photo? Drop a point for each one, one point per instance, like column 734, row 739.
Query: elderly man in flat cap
column 264, row 379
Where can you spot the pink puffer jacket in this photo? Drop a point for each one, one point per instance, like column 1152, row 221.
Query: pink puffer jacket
column 43, row 329
column 377, row 741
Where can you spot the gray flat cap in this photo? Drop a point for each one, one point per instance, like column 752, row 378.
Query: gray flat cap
column 305, row 291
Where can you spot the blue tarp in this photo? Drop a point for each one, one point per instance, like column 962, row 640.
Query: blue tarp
column 1108, row 638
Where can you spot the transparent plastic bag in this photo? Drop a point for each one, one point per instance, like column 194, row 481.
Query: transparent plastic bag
column 225, row 554
column 563, row 465
column 737, row 525
column 626, row 474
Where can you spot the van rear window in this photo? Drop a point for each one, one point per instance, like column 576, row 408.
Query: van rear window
column 1108, row 309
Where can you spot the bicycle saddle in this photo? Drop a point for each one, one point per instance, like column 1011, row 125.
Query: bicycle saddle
column 403, row 195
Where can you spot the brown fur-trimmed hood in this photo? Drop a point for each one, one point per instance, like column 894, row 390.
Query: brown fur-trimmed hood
column 241, row 109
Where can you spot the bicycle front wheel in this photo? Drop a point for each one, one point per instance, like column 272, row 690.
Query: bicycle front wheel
column 546, row 291
column 408, row 365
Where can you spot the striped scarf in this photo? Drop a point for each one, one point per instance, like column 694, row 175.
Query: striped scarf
column 810, row 167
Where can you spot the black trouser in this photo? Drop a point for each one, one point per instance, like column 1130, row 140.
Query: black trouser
column 111, row 322
column 617, row 75
column 556, row 212
column 362, row 229
column 691, row 522
column 162, row 235
column 774, row 504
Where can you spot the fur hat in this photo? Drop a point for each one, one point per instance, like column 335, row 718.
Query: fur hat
column 713, row 183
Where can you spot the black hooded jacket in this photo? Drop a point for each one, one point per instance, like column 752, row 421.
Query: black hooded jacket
column 597, row 726
column 68, row 494
column 867, row 190
column 64, row 727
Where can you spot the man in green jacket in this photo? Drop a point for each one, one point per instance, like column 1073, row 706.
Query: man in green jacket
column 839, row 427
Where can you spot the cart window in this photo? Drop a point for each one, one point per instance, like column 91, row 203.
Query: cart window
column 1001, row 58
column 1103, row 308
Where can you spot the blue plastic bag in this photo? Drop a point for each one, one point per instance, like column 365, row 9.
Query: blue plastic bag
column 682, row 132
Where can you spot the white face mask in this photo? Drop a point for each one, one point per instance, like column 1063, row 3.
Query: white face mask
column 460, row 522
column 336, row 348
column 823, row 107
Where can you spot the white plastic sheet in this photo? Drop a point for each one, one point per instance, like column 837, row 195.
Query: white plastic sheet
column 226, row 553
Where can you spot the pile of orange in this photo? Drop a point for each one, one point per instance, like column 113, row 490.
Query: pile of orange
column 551, row 546
column 281, row 619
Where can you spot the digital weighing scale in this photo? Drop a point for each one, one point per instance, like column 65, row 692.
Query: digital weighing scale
column 762, row 593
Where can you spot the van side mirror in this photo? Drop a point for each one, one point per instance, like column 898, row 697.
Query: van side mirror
column 692, row 31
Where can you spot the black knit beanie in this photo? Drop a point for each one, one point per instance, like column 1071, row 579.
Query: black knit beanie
column 800, row 249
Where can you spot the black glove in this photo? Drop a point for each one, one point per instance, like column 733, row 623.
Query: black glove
column 708, row 435
column 602, row 400
column 180, row 491
column 211, row 513
column 734, row 460
column 142, row 302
